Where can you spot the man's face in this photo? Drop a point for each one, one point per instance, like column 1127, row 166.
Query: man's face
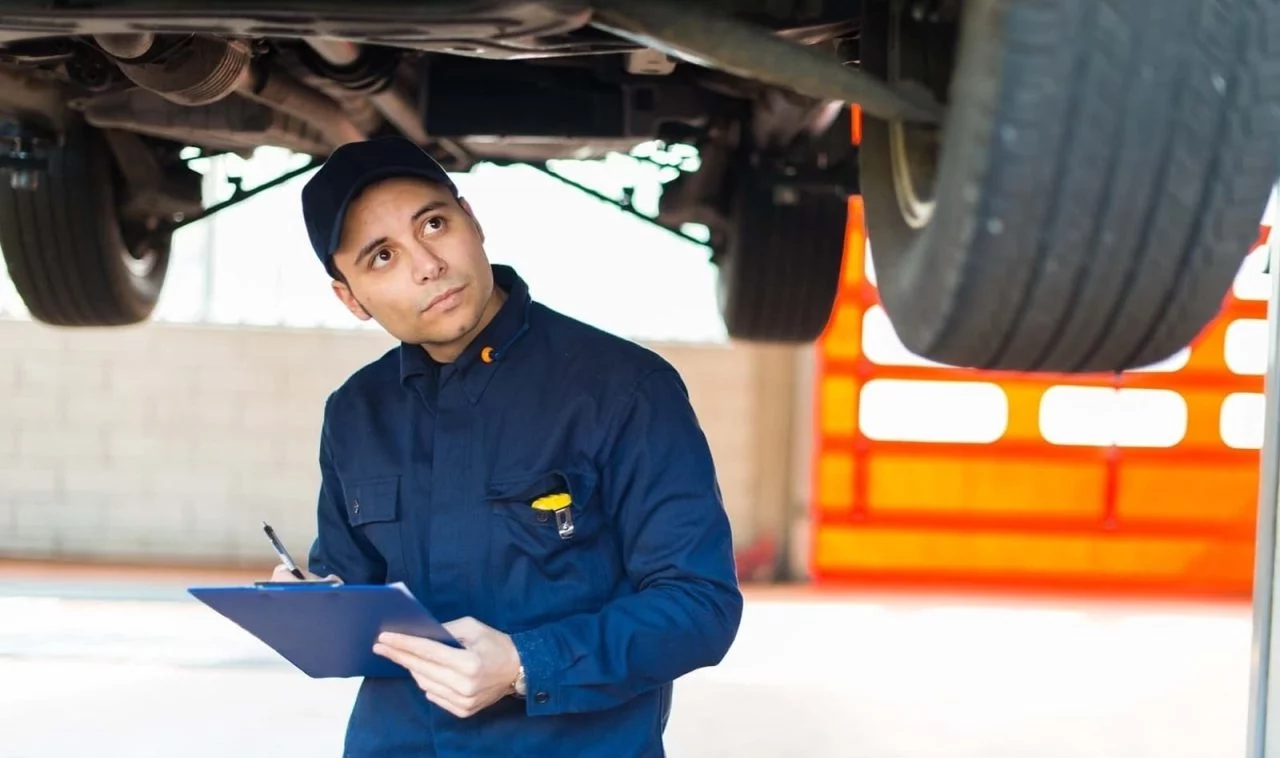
column 414, row 261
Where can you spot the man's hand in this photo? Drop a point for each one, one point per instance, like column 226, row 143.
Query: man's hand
column 282, row 574
column 463, row 682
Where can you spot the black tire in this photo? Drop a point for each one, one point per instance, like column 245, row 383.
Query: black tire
column 69, row 257
column 779, row 276
column 1102, row 172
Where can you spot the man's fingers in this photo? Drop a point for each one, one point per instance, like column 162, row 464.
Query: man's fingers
column 437, row 652
column 465, row 629
column 454, row 679
column 282, row 574
column 453, row 682
column 413, row 663
column 432, row 680
column 445, row 704
column 443, row 695
column 450, row 706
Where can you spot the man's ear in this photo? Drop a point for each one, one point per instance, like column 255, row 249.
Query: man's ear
column 348, row 299
column 467, row 207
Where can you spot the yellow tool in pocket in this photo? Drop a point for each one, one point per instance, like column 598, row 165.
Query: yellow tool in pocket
column 558, row 503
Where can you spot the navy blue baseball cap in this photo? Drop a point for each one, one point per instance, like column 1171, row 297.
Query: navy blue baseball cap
column 347, row 172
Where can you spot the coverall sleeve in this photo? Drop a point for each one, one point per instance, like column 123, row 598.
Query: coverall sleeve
column 338, row 548
column 660, row 486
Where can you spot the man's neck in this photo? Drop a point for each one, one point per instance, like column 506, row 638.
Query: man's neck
column 449, row 352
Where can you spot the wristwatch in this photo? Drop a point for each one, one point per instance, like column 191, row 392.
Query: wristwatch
column 519, row 687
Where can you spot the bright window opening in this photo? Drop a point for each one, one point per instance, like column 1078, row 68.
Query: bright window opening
column 1246, row 346
column 1103, row 416
column 924, row 411
column 1242, row 421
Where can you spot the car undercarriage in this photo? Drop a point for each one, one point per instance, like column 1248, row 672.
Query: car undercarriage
column 1060, row 186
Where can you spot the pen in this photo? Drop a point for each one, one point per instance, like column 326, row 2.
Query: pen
column 280, row 551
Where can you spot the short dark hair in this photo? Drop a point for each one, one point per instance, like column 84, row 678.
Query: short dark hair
column 332, row 267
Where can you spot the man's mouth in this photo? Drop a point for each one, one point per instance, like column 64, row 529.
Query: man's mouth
column 443, row 296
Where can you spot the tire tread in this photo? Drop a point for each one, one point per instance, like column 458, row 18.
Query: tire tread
column 1100, row 187
column 61, row 243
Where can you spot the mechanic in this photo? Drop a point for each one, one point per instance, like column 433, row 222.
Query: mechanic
column 544, row 484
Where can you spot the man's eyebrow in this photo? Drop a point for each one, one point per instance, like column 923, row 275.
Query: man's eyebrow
column 434, row 205
column 369, row 248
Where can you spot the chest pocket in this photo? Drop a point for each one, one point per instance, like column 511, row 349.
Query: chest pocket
column 540, row 566
column 373, row 509
column 554, row 509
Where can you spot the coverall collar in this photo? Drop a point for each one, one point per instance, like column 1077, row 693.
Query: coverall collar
column 478, row 362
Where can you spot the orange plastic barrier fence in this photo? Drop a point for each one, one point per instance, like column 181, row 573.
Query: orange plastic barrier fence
column 1024, row 493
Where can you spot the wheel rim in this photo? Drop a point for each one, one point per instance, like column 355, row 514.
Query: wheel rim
column 913, row 148
column 141, row 255
column 913, row 191
column 141, row 262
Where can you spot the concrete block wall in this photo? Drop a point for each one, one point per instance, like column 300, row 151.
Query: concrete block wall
column 164, row 443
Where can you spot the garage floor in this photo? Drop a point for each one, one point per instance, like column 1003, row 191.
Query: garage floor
column 124, row 665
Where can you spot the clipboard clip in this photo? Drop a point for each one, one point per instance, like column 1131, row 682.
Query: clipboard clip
column 267, row 585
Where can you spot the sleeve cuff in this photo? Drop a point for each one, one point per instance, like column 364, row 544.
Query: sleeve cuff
column 537, row 654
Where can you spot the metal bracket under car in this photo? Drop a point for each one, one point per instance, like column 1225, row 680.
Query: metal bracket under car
column 791, row 179
column 623, row 204
column 24, row 153
column 693, row 33
column 790, row 182
column 239, row 195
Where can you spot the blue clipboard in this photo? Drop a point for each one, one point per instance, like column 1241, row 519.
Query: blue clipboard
column 327, row 630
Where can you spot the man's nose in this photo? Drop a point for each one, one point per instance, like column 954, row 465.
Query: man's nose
column 426, row 264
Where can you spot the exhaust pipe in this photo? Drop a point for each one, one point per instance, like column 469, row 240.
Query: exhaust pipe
column 394, row 105
column 280, row 91
column 195, row 71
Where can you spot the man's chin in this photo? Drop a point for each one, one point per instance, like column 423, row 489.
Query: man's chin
column 445, row 331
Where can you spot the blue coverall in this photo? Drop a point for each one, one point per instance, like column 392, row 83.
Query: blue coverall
column 428, row 475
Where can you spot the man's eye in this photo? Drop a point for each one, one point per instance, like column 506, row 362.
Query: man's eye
column 380, row 258
column 433, row 224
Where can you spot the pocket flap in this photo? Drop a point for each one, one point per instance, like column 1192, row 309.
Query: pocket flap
column 525, row 489
column 373, row 500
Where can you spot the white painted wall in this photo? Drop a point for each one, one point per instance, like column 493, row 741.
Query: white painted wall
column 170, row 442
